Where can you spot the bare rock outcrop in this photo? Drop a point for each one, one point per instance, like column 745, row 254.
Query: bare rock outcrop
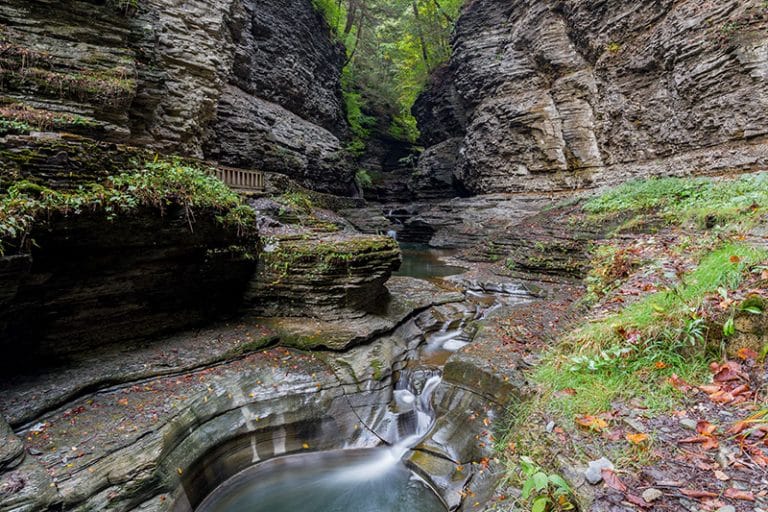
column 246, row 82
column 568, row 94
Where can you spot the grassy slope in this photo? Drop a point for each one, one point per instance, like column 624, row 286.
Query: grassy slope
column 627, row 354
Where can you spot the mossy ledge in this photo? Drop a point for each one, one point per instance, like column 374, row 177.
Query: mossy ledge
column 324, row 276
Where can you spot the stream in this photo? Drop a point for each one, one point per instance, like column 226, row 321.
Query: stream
column 370, row 479
column 365, row 480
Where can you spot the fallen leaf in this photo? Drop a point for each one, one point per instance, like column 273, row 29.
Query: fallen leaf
column 592, row 423
column 705, row 428
column 638, row 438
column 679, row 383
column 746, row 354
column 728, row 371
column 721, row 476
column 736, row 494
column 638, row 501
column 710, row 388
column 691, row 493
column 612, row 480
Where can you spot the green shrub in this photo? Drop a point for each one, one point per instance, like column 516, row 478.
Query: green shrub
column 363, row 178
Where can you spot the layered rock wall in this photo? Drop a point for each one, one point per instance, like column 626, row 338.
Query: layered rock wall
column 556, row 95
column 247, row 82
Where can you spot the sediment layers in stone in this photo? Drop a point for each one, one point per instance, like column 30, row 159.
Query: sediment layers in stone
column 561, row 95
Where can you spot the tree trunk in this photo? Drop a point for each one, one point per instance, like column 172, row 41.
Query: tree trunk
column 420, row 31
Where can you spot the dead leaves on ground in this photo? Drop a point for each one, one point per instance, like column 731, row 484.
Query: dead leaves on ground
column 593, row 423
column 637, row 439
column 736, row 494
column 706, row 436
column 730, row 384
column 612, row 480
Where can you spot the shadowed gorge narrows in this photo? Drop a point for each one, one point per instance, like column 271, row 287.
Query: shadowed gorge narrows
column 481, row 255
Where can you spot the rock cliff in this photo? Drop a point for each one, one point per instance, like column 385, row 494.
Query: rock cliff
column 554, row 95
column 83, row 274
column 250, row 83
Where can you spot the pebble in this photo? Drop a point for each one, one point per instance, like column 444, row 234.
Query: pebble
column 593, row 474
column 652, row 494
column 723, row 457
column 688, row 423
column 727, row 508
column 635, row 424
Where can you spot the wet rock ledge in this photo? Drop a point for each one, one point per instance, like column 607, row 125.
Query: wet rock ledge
column 143, row 444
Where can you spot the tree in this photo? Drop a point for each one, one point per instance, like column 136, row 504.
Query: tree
column 392, row 46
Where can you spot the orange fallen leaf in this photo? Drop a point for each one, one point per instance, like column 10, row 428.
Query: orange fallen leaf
column 691, row 493
column 736, row 494
column 710, row 388
column 638, row 438
column 746, row 353
column 592, row 423
column 705, row 428
column 735, row 259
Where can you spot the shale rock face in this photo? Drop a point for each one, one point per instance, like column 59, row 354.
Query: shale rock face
column 83, row 277
column 249, row 82
column 86, row 283
column 552, row 95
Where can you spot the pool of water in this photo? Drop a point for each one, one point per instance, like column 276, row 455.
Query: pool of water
column 371, row 480
column 426, row 262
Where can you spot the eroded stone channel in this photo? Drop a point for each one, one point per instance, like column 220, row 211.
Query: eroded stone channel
column 403, row 448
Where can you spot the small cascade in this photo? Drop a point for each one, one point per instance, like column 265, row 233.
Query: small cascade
column 415, row 415
column 377, row 479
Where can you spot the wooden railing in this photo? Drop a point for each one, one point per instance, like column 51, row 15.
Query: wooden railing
column 239, row 179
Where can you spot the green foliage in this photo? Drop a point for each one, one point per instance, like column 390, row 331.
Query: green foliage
column 158, row 184
column 633, row 352
column 11, row 127
column 363, row 178
column 704, row 201
column 542, row 491
column 298, row 200
column 125, row 6
column 20, row 119
column 392, row 47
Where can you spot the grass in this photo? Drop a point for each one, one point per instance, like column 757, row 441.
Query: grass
column 627, row 356
column 704, row 202
column 724, row 267
column 158, row 184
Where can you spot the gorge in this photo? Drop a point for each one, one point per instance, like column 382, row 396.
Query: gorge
column 481, row 243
